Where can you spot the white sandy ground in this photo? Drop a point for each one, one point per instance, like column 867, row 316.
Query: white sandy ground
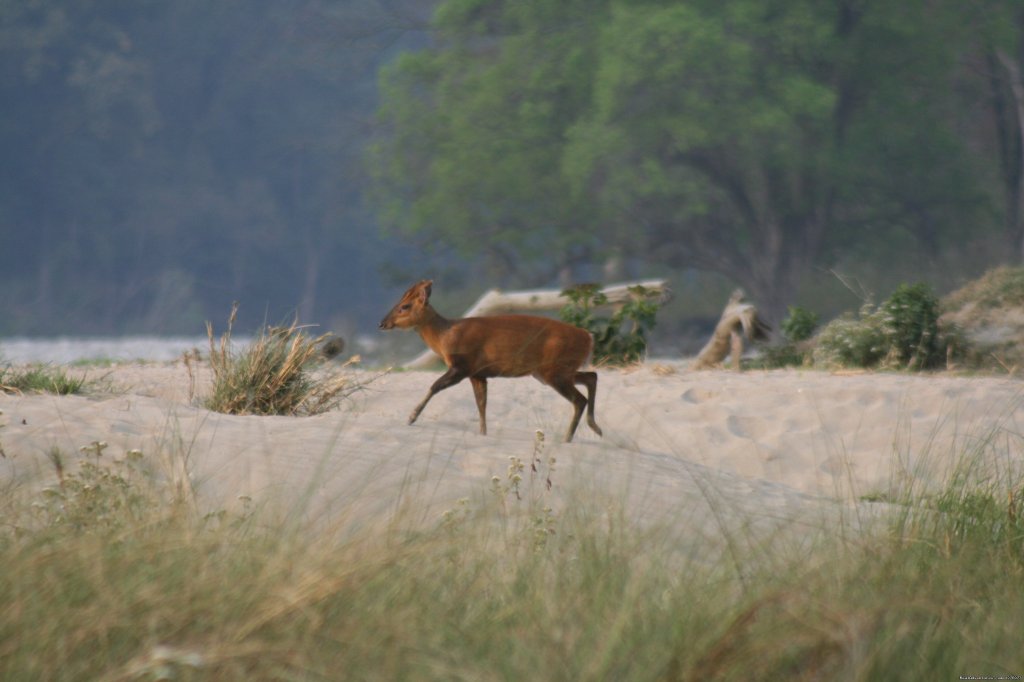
column 694, row 449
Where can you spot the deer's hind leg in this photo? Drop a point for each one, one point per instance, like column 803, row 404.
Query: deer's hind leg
column 567, row 390
column 480, row 393
column 589, row 379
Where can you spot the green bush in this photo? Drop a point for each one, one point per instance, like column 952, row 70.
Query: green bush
column 901, row 333
column 799, row 325
column 797, row 328
column 912, row 314
column 621, row 338
column 853, row 341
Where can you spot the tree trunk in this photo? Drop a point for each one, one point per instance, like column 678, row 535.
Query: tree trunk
column 776, row 271
column 1014, row 172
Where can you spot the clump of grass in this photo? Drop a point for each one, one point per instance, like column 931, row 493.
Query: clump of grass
column 272, row 374
column 40, row 379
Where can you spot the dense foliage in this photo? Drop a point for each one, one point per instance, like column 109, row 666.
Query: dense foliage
column 799, row 325
column 756, row 139
column 913, row 311
column 162, row 159
column 796, row 348
column 903, row 332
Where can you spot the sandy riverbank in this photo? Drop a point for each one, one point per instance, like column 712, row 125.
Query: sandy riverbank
column 770, row 445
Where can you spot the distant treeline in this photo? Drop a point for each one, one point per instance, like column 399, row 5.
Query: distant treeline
column 163, row 159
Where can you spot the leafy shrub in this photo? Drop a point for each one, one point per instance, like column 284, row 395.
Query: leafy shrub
column 621, row 338
column 797, row 328
column 96, row 498
column 799, row 325
column 271, row 375
column 853, row 341
column 902, row 332
column 912, row 314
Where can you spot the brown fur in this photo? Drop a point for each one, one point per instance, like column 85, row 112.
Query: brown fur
column 500, row 346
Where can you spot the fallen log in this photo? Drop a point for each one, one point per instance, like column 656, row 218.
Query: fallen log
column 496, row 302
column 727, row 339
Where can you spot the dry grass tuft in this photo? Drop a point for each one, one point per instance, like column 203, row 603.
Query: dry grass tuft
column 271, row 375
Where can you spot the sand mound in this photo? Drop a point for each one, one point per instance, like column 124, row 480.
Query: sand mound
column 990, row 312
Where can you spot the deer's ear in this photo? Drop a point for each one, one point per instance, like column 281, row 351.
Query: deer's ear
column 425, row 287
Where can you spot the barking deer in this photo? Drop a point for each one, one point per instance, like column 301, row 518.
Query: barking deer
column 500, row 346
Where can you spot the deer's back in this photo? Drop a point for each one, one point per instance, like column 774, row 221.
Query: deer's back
column 515, row 345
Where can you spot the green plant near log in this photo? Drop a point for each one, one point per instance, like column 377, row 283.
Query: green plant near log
column 620, row 338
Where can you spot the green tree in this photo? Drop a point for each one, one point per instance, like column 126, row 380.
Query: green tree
column 751, row 138
column 758, row 139
column 475, row 126
column 997, row 54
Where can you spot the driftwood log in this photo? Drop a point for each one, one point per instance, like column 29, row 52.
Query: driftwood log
column 495, row 302
column 738, row 316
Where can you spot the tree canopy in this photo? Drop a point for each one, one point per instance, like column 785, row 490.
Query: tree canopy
column 164, row 159
column 754, row 138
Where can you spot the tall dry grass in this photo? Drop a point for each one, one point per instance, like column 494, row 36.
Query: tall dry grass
column 109, row 575
column 271, row 375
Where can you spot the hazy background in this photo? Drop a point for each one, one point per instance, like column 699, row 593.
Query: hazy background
column 312, row 158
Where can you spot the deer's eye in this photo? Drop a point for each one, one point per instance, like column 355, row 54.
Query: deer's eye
column 405, row 306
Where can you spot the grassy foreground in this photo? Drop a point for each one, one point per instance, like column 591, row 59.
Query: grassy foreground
column 110, row 574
